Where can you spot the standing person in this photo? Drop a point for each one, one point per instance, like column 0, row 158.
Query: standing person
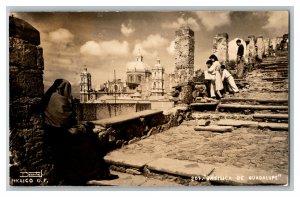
column 77, row 153
column 215, row 70
column 240, row 60
column 229, row 79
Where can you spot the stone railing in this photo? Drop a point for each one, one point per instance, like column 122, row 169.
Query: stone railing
column 118, row 131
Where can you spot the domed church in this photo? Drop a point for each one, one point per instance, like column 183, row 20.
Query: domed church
column 138, row 72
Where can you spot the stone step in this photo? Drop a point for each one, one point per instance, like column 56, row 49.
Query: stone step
column 271, row 64
column 212, row 106
column 182, row 168
column 214, row 128
column 271, row 116
column 280, row 81
column 233, row 99
column 214, row 174
column 275, row 78
column 274, row 126
column 250, row 107
column 275, row 70
column 240, row 123
column 133, row 160
column 126, row 179
column 227, row 175
column 236, row 123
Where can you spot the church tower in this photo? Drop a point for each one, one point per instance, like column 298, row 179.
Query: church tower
column 157, row 79
column 85, row 86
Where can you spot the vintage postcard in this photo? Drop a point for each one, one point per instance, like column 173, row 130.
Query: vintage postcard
column 149, row 98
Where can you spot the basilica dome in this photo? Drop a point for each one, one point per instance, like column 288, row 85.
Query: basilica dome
column 138, row 65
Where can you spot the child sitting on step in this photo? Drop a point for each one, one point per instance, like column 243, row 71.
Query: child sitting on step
column 229, row 80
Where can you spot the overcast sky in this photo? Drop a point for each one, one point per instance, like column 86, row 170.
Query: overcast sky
column 106, row 41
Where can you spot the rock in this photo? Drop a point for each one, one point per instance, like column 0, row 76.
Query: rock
column 133, row 171
column 214, row 128
column 153, row 130
column 203, row 122
column 119, row 143
column 179, row 119
column 133, row 140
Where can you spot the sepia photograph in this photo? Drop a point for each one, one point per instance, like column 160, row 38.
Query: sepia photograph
column 191, row 98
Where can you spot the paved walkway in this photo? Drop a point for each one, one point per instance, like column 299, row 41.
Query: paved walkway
column 246, row 148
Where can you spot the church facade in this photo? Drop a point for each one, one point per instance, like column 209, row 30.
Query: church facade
column 148, row 82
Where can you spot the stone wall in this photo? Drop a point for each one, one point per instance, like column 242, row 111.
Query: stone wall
column 220, row 47
column 267, row 46
column 26, row 88
column 184, row 54
column 260, row 47
column 129, row 130
column 251, row 50
column 98, row 111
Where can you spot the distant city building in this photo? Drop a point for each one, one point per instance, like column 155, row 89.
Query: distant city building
column 157, row 79
column 85, row 86
column 138, row 72
column 142, row 82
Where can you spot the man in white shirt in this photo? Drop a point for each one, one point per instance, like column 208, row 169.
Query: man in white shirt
column 229, row 79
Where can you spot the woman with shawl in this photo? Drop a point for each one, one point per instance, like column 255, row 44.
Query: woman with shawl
column 78, row 155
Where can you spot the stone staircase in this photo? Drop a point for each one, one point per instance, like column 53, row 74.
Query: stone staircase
column 263, row 102
column 262, row 106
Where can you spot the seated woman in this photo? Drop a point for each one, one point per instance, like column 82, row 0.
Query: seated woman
column 77, row 152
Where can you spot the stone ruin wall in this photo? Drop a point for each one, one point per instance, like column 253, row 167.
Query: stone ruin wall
column 267, row 46
column 251, row 50
column 184, row 54
column 260, row 47
column 220, row 48
column 26, row 88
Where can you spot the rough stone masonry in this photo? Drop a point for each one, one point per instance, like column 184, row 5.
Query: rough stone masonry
column 251, row 51
column 184, row 54
column 260, row 47
column 26, row 65
column 220, row 47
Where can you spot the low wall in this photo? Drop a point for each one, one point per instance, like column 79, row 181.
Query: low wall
column 125, row 129
column 163, row 105
column 98, row 111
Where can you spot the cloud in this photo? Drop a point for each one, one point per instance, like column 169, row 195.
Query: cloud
column 128, row 29
column 61, row 35
column 154, row 41
column 105, row 48
column 213, row 19
column 181, row 22
column 139, row 49
column 149, row 46
column 171, row 48
column 278, row 21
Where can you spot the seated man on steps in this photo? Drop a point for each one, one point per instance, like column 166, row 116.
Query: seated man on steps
column 229, row 80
